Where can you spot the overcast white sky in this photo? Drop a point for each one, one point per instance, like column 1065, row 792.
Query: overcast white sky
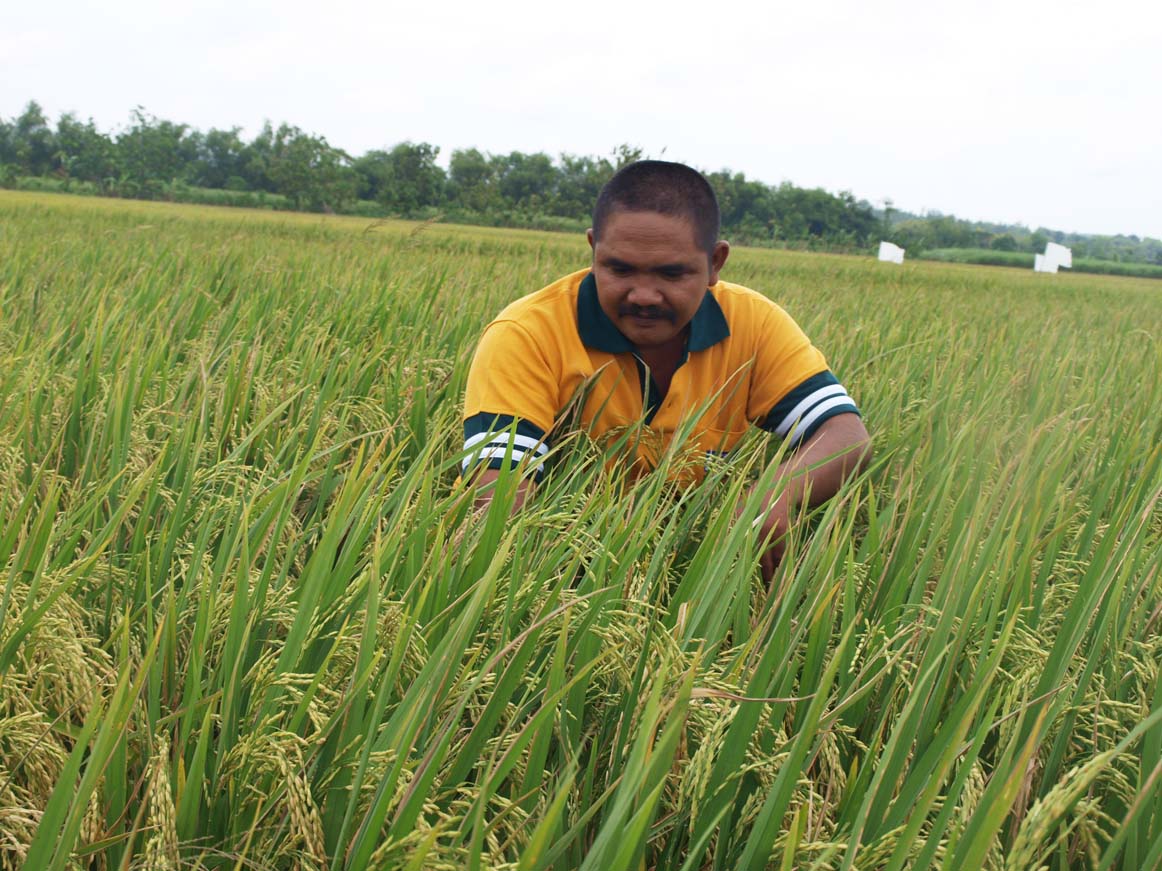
column 1044, row 112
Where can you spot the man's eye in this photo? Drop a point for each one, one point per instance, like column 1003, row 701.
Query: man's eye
column 672, row 274
column 620, row 270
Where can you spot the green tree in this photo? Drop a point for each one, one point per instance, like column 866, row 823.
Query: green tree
column 220, row 160
column 32, row 142
column 819, row 216
column 1003, row 242
column 153, row 152
column 83, row 152
column 624, row 154
column 308, row 170
column 404, row 179
column 472, row 181
column 526, row 182
column 257, row 157
column 747, row 207
column 579, row 180
column 7, row 145
column 889, row 210
column 913, row 235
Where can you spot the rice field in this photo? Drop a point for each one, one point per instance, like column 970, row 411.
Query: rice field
column 251, row 619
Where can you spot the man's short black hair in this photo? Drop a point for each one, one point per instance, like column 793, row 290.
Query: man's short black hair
column 667, row 188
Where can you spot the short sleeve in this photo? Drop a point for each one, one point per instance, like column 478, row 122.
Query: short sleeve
column 783, row 358
column 793, row 392
column 804, row 409
column 497, row 440
column 510, row 401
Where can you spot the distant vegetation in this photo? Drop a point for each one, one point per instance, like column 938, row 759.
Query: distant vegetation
column 287, row 168
column 992, row 243
column 1023, row 260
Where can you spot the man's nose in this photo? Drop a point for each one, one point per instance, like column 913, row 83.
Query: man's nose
column 644, row 293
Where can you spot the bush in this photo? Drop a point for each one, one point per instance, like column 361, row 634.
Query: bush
column 38, row 184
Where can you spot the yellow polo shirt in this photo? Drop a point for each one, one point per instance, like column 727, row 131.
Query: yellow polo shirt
column 556, row 351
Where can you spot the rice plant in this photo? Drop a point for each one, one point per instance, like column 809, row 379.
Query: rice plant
column 251, row 618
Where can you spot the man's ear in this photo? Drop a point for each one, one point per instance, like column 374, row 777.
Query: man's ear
column 718, row 259
column 589, row 236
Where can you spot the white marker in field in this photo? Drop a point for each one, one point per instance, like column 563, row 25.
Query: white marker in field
column 1041, row 263
column 890, row 253
column 1059, row 255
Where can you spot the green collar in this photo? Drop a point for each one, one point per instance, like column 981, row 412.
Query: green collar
column 707, row 327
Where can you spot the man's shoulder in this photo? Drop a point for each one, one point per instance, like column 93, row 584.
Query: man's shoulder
column 744, row 307
column 726, row 291
column 550, row 307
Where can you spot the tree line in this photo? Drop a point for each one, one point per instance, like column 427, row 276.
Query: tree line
column 284, row 167
column 937, row 232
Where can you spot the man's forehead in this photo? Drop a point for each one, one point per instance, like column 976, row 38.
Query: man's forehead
column 628, row 230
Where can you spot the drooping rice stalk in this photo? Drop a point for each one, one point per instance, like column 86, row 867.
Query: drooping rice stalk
column 251, row 619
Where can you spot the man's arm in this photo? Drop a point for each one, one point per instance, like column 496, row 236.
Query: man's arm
column 509, row 405
column 839, row 449
column 496, row 442
column 484, row 481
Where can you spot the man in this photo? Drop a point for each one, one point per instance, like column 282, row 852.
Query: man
column 653, row 336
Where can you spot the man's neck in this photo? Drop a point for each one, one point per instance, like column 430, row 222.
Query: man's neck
column 663, row 360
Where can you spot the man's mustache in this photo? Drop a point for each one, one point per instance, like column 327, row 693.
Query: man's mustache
column 649, row 312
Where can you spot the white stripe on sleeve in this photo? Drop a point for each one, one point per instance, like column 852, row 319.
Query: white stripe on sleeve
column 501, row 439
column 499, row 452
column 523, row 441
column 812, row 398
column 823, row 407
column 472, row 441
column 491, row 452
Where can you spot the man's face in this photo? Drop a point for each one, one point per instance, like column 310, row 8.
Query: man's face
column 651, row 274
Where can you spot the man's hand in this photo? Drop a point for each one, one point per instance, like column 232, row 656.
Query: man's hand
column 838, row 450
column 775, row 526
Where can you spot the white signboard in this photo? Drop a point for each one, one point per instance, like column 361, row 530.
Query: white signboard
column 1041, row 263
column 1059, row 254
column 890, row 253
